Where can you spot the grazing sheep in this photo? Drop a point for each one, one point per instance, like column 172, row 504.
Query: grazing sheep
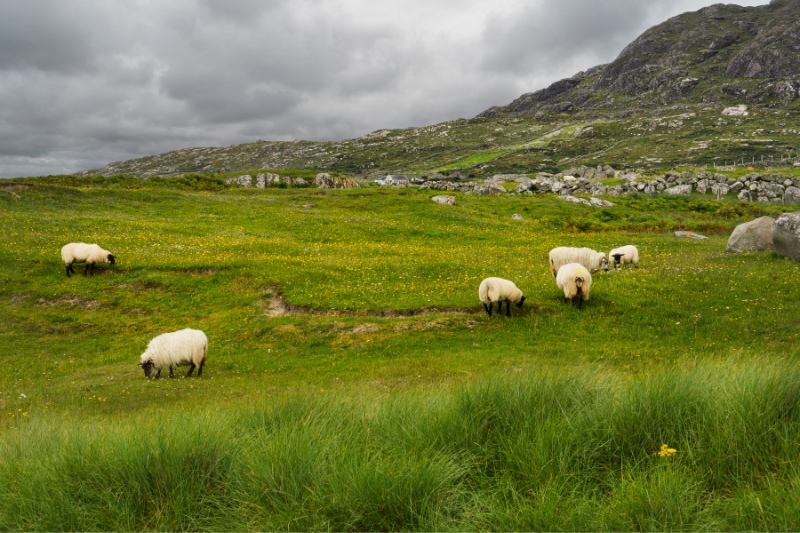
column 91, row 254
column 576, row 282
column 499, row 290
column 590, row 259
column 623, row 255
column 184, row 347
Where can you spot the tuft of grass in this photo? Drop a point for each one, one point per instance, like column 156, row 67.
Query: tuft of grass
column 555, row 450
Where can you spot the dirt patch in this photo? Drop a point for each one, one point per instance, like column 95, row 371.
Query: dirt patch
column 69, row 301
column 363, row 329
column 277, row 306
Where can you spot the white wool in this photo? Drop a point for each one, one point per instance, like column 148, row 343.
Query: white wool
column 567, row 281
column 498, row 290
column 79, row 252
column 184, row 347
column 590, row 259
column 630, row 255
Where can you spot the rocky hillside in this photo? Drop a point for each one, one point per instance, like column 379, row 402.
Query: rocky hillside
column 712, row 87
column 720, row 53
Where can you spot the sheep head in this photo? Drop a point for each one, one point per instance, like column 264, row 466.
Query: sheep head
column 603, row 262
column 147, row 366
column 519, row 303
column 111, row 258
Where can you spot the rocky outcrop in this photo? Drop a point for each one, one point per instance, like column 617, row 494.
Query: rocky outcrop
column 753, row 235
column 326, row 181
column 759, row 42
column 786, row 235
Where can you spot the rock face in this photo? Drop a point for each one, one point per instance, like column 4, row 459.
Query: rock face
column 444, row 200
column 326, row 181
column 724, row 41
column 786, row 235
column 753, row 235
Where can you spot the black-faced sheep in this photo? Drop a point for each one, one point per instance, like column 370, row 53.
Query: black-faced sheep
column 179, row 348
column 499, row 290
column 590, row 259
column 624, row 255
column 91, row 254
column 576, row 282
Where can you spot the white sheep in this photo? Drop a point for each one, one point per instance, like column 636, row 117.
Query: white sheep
column 623, row 255
column 184, row 347
column 576, row 282
column 91, row 254
column 499, row 290
column 590, row 259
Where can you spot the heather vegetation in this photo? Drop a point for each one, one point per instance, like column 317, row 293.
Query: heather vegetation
column 353, row 381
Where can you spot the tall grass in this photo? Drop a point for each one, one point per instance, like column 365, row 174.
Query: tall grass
column 546, row 451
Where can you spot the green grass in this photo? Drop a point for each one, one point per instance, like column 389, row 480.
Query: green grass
column 556, row 450
column 356, row 389
column 473, row 160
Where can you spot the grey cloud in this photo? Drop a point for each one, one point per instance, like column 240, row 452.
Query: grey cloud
column 87, row 82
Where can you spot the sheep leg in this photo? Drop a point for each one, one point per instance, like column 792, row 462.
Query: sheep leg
column 491, row 305
column 580, row 301
column 200, row 369
column 171, row 375
column 488, row 309
column 191, row 369
column 68, row 271
column 158, row 374
column 86, row 270
column 508, row 307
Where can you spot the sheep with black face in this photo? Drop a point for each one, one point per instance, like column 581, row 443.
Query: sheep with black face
column 80, row 252
column 499, row 290
column 178, row 348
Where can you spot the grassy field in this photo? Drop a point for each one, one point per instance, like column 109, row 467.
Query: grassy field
column 354, row 383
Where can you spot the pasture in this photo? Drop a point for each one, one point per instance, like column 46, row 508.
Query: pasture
column 354, row 382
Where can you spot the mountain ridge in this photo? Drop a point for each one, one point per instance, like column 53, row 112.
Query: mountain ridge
column 696, row 63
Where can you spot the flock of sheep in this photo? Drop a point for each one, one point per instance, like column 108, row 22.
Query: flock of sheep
column 571, row 267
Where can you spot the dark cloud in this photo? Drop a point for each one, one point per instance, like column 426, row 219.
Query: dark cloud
column 86, row 82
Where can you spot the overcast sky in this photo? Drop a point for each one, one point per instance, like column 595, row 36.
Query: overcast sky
column 87, row 82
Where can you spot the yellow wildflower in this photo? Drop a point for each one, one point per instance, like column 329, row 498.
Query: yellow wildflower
column 666, row 451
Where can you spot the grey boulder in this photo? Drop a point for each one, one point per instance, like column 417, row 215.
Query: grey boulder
column 753, row 235
column 786, row 235
column 444, row 199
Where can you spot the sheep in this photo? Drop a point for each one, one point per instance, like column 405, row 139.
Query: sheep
column 91, row 254
column 184, row 347
column 623, row 255
column 576, row 282
column 499, row 290
column 590, row 259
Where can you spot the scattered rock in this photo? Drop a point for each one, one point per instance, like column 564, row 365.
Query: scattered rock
column 690, row 234
column 573, row 199
column 792, row 195
column 597, row 202
column 679, row 190
column 490, row 188
column 753, row 235
column 324, row 180
column 736, row 111
column 786, row 235
column 245, row 180
column 444, row 200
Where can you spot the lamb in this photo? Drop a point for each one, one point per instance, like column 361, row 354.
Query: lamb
column 576, row 282
column 590, row 259
column 499, row 290
column 184, row 347
column 91, row 254
column 623, row 255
